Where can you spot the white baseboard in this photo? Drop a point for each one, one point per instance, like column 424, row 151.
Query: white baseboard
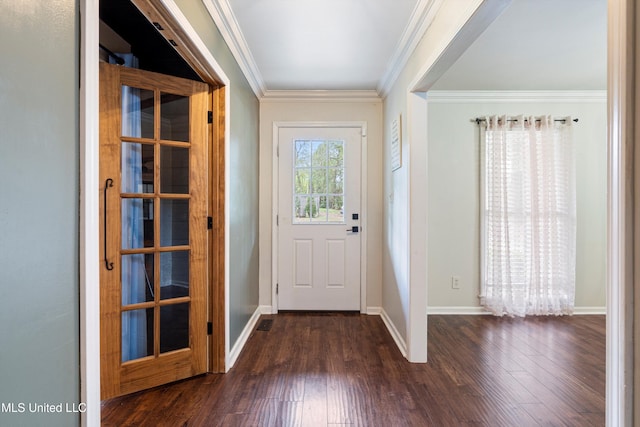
column 580, row 311
column 371, row 311
column 402, row 346
column 266, row 309
column 577, row 311
column 457, row 310
column 243, row 338
column 374, row 311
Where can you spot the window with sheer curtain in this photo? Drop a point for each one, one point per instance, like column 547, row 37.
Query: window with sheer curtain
column 528, row 216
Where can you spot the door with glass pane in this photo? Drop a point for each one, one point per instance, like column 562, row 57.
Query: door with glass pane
column 153, row 169
column 319, row 218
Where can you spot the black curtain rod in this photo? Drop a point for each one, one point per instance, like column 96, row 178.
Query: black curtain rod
column 118, row 59
column 478, row 120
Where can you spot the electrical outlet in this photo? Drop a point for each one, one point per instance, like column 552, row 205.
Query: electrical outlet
column 455, row 282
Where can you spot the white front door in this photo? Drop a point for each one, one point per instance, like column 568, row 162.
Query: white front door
column 319, row 218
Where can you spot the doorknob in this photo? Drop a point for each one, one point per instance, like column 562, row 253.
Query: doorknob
column 353, row 229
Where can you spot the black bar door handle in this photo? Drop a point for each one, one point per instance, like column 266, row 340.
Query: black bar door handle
column 107, row 184
column 354, row 229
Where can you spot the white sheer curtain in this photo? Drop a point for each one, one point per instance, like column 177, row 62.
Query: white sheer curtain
column 528, row 216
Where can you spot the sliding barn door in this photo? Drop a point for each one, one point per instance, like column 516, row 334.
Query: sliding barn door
column 153, row 284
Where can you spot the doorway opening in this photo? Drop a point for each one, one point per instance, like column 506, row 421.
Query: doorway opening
column 165, row 42
column 428, row 78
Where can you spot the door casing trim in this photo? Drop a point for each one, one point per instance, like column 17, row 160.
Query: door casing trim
column 362, row 125
column 88, row 250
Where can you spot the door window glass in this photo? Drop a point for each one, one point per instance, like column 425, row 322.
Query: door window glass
column 174, row 274
column 137, row 112
column 137, row 334
column 174, row 327
column 318, row 181
column 174, row 117
column 174, row 170
column 137, row 167
column 137, row 278
column 137, row 223
column 174, row 221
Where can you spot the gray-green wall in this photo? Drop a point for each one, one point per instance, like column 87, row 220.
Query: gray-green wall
column 243, row 181
column 39, row 290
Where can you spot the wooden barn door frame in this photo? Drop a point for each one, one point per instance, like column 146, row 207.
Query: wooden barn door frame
column 217, row 237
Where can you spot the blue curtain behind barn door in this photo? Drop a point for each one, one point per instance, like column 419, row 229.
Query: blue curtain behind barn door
column 134, row 278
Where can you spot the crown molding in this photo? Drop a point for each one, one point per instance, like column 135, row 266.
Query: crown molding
column 320, row 96
column 523, row 96
column 419, row 22
column 225, row 20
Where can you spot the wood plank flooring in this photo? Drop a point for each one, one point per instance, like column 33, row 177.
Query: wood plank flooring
column 344, row 369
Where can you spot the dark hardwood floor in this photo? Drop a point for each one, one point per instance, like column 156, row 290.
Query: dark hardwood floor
column 336, row 370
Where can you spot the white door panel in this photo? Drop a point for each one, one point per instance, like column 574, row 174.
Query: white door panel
column 318, row 206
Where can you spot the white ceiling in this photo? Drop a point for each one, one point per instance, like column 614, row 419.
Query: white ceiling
column 324, row 44
column 359, row 44
column 537, row 45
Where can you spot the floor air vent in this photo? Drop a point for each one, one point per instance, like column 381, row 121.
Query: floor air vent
column 265, row 325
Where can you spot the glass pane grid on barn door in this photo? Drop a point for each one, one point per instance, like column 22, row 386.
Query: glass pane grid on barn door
column 155, row 251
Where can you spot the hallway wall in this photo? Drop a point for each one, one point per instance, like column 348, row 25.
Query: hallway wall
column 39, row 172
column 396, row 288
